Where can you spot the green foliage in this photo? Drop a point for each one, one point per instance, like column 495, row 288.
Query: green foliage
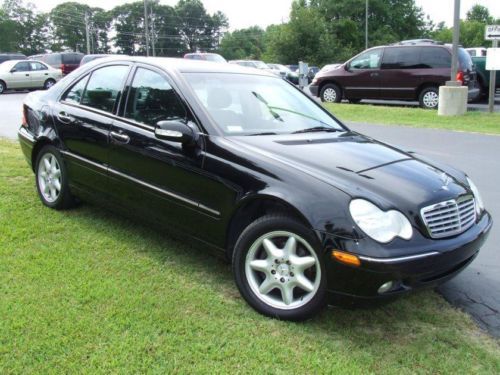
column 243, row 44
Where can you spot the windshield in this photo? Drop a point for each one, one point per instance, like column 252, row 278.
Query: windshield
column 242, row 104
column 216, row 58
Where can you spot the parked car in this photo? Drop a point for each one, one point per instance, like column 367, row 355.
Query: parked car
column 27, row 74
column 88, row 58
column 284, row 72
column 242, row 162
column 476, row 52
column 293, row 68
column 257, row 64
column 205, row 56
column 400, row 72
column 66, row 61
column 312, row 71
column 11, row 56
column 483, row 76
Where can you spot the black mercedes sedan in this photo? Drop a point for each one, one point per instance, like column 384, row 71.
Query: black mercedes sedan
column 242, row 162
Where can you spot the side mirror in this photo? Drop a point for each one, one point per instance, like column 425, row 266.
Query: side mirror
column 13, row 70
column 174, row 131
column 347, row 66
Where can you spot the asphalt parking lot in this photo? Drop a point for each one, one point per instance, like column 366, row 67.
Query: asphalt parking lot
column 476, row 290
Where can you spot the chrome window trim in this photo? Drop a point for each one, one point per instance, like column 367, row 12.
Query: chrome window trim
column 142, row 183
column 399, row 259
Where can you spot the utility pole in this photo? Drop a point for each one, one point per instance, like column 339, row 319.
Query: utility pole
column 491, row 96
column 146, row 27
column 456, row 35
column 153, row 36
column 366, row 25
column 87, row 32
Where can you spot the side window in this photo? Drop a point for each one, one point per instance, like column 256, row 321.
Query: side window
column 401, row 58
column 472, row 52
column 152, row 99
column 22, row 66
column 104, row 87
column 75, row 93
column 367, row 60
column 435, row 57
column 37, row 66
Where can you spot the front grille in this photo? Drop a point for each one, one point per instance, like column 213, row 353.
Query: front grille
column 450, row 217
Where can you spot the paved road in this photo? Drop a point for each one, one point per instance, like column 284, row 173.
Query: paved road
column 477, row 289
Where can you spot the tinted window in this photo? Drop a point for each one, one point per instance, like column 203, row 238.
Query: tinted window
column 37, row 66
column 71, row 58
column 104, row 87
column 74, row 94
column 401, row 58
column 152, row 99
column 434, row 57
column 22, row 67
column 367, row 60
column 464, row 59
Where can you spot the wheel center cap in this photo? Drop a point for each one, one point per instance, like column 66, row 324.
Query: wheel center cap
column 283, row 269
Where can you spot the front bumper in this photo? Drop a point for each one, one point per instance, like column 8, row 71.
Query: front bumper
column 27, row 142
column 350, row 285
column 314, row 89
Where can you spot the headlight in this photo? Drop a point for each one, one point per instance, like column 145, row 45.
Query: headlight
column 479, row 200
column 380, row 225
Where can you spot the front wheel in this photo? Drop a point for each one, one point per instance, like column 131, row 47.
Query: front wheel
column 2, row 87
column 278, row 268
column 52, row 180
column 331, row 93
column 429, row 98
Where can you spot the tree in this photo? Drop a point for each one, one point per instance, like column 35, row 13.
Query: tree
column 479, row 13
column 243, row 44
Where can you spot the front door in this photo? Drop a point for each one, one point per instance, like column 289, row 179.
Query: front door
column 362, row 79
column 160, row 179
column 20, row 77
column 84, row 116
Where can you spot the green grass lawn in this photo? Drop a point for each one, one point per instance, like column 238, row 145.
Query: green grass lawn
column 87, row 291
column 479, row 122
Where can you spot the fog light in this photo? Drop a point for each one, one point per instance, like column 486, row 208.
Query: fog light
column 386, row 287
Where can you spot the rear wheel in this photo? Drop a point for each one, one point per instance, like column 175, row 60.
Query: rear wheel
column 331, row 93
column 2, row 87
column 49, row 83
column 278, row 268
column 429, row 98
column 52, row 180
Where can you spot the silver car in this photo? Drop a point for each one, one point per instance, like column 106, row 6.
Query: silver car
column 27, row 74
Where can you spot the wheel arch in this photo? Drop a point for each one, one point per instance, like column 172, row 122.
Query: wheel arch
column 39, row 145
column 423, row 86
column 251, row 208
column 330, row 81
column 4, row 84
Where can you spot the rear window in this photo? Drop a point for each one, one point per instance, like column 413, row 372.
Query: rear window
column 435, row 57
column 71, row 58
column 464, row 59
column 401, row 58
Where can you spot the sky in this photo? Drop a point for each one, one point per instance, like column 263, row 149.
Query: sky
column 245, row 13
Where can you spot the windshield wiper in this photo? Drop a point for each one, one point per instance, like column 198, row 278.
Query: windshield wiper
column 264, row 133
column 317, row 129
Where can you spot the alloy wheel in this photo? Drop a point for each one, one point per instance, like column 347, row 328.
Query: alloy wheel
column 283, row 270
column 49, row 177
column 330, row 95
column 430, row 99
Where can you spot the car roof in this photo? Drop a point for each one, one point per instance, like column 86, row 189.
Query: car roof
column 186, row 65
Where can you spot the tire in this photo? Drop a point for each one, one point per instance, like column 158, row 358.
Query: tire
column 429, row 98
column 331, row 93
column 3, row 87
column 52, row 179
column 275, row 282
column 49, row 83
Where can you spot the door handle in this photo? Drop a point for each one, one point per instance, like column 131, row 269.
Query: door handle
column 65, row 118
column 46, row 74
column 374, row 74
column 120, row 137
column 27, row 75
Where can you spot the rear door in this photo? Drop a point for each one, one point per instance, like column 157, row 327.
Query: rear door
column 162, row 180
column 400, row 73
column 84, row 116
column 362, row 79
column 39, row 73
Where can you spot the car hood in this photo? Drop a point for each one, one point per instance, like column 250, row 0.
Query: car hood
column 362, row 167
